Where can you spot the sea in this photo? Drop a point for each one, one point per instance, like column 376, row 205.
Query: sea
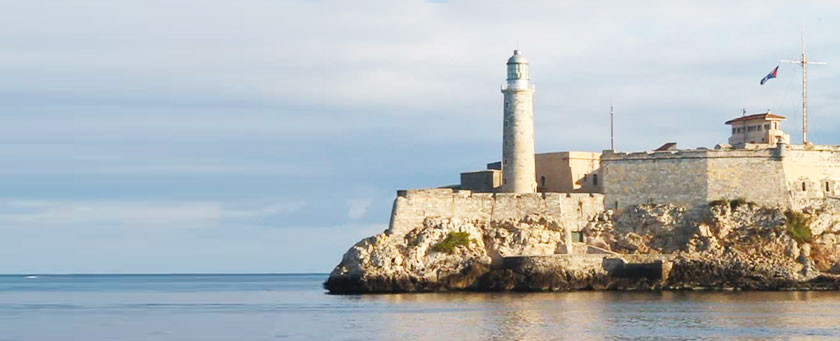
column 296, row 307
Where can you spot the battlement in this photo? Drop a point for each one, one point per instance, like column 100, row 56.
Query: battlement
column 753, row 151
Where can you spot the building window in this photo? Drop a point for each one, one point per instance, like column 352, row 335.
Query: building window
column 733, row 130
column 766, row 127
column 595, row 179
column 751, row 128
column 803, row 187
column 542, row 181
column 827, row 187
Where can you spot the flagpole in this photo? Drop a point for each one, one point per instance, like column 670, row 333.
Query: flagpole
column 804, row 91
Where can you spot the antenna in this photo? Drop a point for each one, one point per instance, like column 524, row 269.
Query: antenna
column 744, row 123
column 803, row 62
column 612, row 126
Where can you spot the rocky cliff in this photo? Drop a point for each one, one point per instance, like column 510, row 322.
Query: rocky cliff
column 725, row 245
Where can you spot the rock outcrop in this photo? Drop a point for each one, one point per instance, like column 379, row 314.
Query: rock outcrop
column 725, row 245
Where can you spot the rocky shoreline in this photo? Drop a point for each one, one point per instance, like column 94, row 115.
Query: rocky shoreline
column 723, row 246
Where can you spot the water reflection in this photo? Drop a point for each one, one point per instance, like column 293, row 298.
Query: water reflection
column 604, row 315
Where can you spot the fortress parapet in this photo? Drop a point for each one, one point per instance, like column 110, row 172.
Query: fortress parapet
column 412, row 207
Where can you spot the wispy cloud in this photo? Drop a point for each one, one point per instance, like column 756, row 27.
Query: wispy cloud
column 81, row 214
column 358, row 207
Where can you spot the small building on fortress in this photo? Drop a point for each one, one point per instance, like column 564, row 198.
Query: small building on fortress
column 758, row 164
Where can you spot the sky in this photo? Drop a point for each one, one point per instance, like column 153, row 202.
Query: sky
column 207, row 136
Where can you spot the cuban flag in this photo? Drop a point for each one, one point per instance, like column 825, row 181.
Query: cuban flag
column 770, row 76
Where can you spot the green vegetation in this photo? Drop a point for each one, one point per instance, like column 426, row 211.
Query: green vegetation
column 798, row 224
column 453, row 240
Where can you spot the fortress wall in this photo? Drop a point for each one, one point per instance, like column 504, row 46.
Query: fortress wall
column 637, row 178
column 411, row 207
column 817, row 167
column 769, row 176
column 754, row 175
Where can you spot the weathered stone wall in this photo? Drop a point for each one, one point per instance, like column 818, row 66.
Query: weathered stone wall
column 790, row 176
column 754, row 175
column 411, row 207
column 481, row 181
column 660, row 177
column 814, row 168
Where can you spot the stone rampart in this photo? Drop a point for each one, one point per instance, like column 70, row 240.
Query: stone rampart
column 654, row 177
column 411, row 207
column 812, row 172
column 695, row 177
column 790, row 176
column 754, row 175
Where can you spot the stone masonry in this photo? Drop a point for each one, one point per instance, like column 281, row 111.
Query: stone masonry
column 783, row 175
column 411, row 207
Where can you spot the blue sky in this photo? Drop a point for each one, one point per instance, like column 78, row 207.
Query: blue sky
column 269, row 136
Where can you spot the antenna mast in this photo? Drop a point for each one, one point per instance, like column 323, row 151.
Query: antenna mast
column 803, row 62
column 612, row 126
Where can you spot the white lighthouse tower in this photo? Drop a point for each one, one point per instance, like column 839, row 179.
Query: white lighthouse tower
column 518, row 173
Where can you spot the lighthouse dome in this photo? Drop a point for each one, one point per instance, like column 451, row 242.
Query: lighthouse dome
column 517, row 58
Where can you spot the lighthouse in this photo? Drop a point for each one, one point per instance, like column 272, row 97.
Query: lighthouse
column 518, row 168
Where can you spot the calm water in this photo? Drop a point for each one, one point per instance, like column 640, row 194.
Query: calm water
column 292, row 307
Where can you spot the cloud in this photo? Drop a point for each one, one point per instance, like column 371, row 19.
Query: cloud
column 83, row 214
column 358, row 207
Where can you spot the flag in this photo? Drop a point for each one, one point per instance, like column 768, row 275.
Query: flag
column 770, row 75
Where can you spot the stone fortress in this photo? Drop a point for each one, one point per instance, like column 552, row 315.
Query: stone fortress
column 758, row 164
column 755, row 213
